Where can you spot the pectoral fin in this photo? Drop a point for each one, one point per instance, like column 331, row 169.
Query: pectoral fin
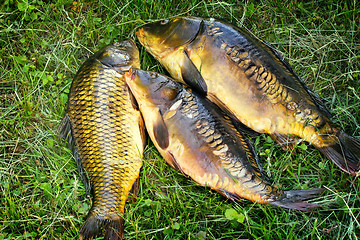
column 161, row 133
column 314, row 96
column 192, row 76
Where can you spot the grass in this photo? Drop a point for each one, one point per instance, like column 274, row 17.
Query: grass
column 43, row 44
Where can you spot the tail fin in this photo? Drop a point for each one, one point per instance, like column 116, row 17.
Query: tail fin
column 345, row 154
column 294, row 199
column 94, row 225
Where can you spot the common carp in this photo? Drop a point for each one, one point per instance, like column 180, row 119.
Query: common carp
column 250, row 81
column 197, row 138
column 105, row 132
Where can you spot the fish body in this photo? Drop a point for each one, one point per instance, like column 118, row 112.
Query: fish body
column 197, row 138
column 106, row 135
column 250, row 81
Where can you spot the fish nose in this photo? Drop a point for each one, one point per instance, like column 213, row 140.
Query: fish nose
column 140, row 33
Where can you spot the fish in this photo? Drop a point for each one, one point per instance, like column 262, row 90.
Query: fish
column 249, row 80
column 195, row 137
column 106, row 135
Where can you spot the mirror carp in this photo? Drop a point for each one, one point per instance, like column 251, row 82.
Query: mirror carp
column 197, row 138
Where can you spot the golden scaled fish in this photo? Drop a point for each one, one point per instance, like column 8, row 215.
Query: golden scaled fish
column 250, row 81
column 197, row 138
column 105, row 132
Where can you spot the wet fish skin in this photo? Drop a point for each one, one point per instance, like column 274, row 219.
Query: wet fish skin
column 106, row 135
column 250, row 81
column 197, row 138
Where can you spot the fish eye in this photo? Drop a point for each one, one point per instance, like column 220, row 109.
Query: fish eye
column 163, row 22
column 153, row 75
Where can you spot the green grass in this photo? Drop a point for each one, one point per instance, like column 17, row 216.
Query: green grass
column 41, row 47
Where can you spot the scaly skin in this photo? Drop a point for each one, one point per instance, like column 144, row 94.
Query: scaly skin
column 108, row 133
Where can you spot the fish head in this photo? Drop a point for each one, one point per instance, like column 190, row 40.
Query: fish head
column 152, row 89
column 120, row 56
column 162, row 37
column 155, row 94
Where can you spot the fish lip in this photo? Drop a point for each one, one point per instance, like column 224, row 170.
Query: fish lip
column 142, row 38
column 140, row 33
column 130, row 75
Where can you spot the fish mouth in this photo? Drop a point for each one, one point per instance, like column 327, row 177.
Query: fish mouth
column 130, row 75
column 144, row 41
column 129, row 78
column 141, row 36
column 140, row 33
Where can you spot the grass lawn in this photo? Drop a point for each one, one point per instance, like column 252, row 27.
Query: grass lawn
column 43, row 44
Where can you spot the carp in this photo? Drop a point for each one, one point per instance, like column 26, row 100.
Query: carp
column 197, row 138
column 105, row 132
column 250, row 81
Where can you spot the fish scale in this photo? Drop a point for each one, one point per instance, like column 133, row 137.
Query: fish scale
column 214, row 138
column 108, row 135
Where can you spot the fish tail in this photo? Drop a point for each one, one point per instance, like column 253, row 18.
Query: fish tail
column 295, row 199
column 113, row 227
column 345, row 154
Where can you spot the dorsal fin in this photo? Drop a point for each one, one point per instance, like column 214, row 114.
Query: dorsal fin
column 314, row 96
column 241, row 129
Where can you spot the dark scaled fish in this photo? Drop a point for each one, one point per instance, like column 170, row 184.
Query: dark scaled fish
column 196, row 137
column 250, row 81
column 105, row 132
